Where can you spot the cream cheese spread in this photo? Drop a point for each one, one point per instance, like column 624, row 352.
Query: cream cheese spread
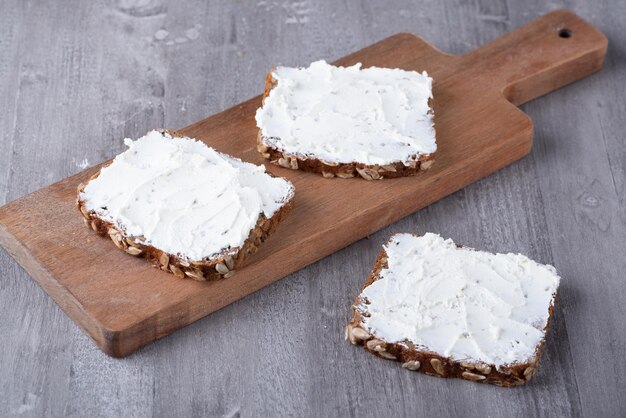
column 460, row 303
column 184, row 197
column 373, row 116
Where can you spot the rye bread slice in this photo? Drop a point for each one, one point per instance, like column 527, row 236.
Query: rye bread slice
column 221, row 266
column 416, row 358
column 331, row 170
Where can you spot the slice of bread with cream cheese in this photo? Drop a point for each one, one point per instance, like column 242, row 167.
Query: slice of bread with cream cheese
column 348, row 121
column 189, row 209
column 452, row 311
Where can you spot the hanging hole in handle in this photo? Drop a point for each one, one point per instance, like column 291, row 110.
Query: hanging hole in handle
column 565, row 33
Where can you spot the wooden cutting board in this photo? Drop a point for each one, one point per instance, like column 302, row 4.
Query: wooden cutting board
column 123, row 303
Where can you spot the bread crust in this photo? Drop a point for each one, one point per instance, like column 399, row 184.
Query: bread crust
column 414, row 358
column 331, row 170
column 220, row 267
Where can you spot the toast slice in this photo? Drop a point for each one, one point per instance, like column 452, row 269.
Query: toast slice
column 310, row 123
column 157, row 200
column 451, row 311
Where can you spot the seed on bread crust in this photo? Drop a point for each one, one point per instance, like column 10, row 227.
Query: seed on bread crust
column 386, row 355
column 164, row 259
column 229, row 261
column 467, row 365
column 118, row 243
column 116, row 237
column 345, row 175
column 367, row 174
column 133, row 251
column 284, row 163
column 177, row 272
column 328, row 174
column 195, row 274
column 373, row 173
column 518, row 380
column 375, row 345
column 483, row 368
column 409, row 344
column 356, row 334
column 529, row 372
column 363, row 174
column 411, row 365
column 85, row 212
column 221, row 268
column 425, row 165
column 437, row 366
column 472, row 376
column 360, row 333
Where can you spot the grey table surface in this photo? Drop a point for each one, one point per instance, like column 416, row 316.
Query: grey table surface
column 76, row 77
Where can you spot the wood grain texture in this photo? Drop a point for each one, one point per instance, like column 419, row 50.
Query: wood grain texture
column 75, row 77
column 123, row 303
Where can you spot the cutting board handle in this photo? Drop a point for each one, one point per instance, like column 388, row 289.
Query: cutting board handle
column 539, row 57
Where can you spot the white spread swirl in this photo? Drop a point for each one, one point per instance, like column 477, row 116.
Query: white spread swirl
column 458, row 302
column 348, row 114
column 184, row 197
